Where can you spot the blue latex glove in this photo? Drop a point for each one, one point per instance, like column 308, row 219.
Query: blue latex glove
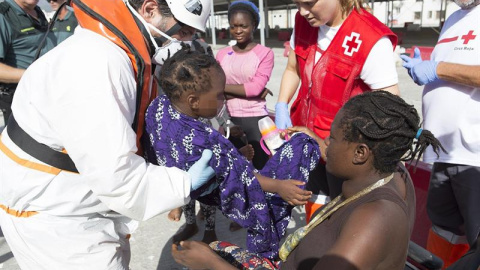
column 422, row 72
column 282, row 116
column 200, row 171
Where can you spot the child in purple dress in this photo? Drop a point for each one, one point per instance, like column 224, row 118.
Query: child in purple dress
column 257, row 200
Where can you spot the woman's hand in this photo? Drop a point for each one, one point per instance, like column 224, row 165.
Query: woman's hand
column 321, row 143
column 197, row 255
column 247, row 151
column 229, row 96
column 265, row 92
column 291, row 193
column 236, row 131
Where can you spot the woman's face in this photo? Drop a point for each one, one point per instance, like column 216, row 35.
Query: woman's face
column 211, row 102
column 241, row 27
column 55, row 4
column 320, row 12
column 339, row 152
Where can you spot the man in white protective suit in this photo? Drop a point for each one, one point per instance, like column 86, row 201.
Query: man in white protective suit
column 73, row 182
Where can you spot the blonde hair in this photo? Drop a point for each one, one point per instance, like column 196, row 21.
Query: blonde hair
column 348, row 5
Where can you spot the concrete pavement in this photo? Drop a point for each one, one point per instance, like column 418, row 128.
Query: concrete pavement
column 151, row 244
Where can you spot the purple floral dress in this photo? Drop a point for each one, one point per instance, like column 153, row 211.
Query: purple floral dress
column 178, row 140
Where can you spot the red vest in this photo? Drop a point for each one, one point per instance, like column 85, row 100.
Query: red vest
column 330, row 83
column 113, row 20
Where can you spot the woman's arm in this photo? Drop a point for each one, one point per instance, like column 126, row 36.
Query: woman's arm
column 235, row 91
column 288, row 87
column 392, row 89
column 461, row 74
column 290, row 79
column 256, row 86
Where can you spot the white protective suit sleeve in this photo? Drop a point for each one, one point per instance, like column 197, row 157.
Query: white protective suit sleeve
column 93, row 112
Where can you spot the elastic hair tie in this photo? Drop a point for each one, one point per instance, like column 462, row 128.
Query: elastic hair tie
column 418, row 133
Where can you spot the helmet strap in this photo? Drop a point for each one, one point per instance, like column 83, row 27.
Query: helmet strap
column 173, row 30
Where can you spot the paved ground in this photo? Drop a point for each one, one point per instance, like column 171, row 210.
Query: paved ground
column 152, row 242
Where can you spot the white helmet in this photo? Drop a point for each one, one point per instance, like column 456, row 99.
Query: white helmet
column 193, row 13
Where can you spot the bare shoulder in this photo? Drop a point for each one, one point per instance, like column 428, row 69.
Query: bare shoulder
column 372, row 233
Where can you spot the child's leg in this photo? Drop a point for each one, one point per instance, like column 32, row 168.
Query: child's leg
column 189, row 210
column 191, row 227
column 209, row 214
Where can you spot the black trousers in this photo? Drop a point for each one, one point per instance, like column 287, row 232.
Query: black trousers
column 6, row 96
column 6, row 105
column 453, row 201
column 322, row 182
column 250, row 127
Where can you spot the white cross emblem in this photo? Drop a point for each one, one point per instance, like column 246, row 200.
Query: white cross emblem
column 352, row 43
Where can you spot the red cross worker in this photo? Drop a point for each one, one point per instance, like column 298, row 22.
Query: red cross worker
column 337, row 52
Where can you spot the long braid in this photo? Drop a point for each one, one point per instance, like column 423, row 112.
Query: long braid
column 187, row 70
column 389, row 126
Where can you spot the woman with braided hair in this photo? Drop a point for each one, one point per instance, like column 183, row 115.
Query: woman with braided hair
column 338, row 50
column 368, row 225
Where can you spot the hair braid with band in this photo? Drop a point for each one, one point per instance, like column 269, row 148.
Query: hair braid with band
column 389, row 126
column 187, row 70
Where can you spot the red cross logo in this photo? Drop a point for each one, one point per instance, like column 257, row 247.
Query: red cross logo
column 470, row 36
column 352, row 43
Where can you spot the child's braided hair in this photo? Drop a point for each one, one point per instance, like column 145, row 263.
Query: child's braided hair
column 187, row 70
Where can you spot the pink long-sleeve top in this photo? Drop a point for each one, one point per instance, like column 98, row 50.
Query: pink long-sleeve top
column 253, row 70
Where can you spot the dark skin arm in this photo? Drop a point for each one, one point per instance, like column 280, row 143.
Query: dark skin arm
column 235, row 90
column 238, row 91
column 265, row 92
column 287, row 189
column 236, row 131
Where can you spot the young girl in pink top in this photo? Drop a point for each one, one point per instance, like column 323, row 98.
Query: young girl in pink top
column 247, row 67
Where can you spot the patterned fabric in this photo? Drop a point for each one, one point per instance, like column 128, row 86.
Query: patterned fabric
column 178, row 140
column 208, row 213
column 241, row 258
